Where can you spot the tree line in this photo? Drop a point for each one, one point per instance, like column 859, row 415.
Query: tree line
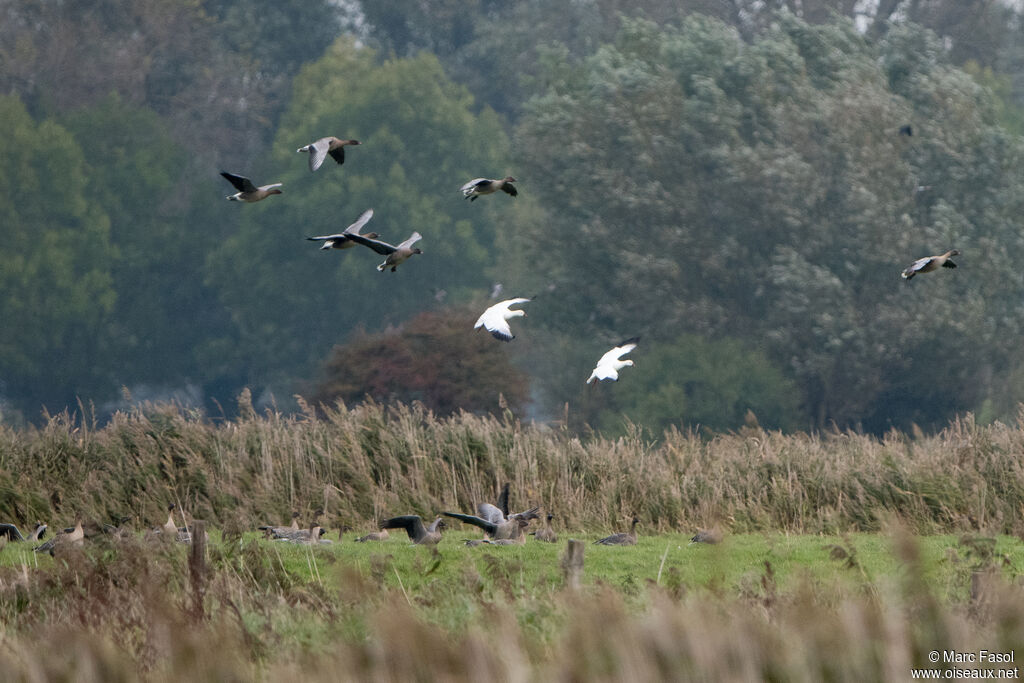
column 733, row 186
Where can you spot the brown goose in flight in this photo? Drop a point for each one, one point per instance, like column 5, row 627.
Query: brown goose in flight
column 342, row 240
column 319, row 150
column 481, row 186
column 247, row 192
column 395, row 254
column 930, row 263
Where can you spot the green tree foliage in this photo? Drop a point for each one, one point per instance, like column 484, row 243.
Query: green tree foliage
column 764, row 191
column 217, row 72
column 56, row 257
column 435, row 359
column 164, row 319
column 420, row 142
column 693, row 381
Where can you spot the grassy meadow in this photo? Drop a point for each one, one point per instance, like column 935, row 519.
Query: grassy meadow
column 845, row 557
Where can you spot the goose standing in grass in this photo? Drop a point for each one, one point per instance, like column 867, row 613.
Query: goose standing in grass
column 171, row 530
column 120, row 528
column 271, row 530
column 300, row 535
column 621, row 538
column 546, row 534
column 413, row 525
column 247, row 192
column 310, row 536
column 710, row 536
column 293, row 533
column 495, row 319
column 395, row 255
column 609, row 365
column 381, row 535
column 930, row 263
column 341, row 240
column 74, row 537
column 481, row 186
column 319, row 150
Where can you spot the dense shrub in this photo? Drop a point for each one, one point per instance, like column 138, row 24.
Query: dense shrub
column 435, row 360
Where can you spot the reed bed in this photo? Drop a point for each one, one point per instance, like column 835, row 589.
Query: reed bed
column 371, row 460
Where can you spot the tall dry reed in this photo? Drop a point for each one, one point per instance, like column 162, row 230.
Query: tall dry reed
column 372, row 460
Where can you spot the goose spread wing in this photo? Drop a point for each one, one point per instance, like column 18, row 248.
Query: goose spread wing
column 378, row 246
column 490, row 513
column 489, row 527
column 619, row 351
column 413, row 238
column 241, row 183
column 412, row 524
column 472, row 184
column 318, row 152
column 363, row 219
column 338, row 154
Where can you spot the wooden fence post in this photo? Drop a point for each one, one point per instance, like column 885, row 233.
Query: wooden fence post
column 197, row 568
column 572, row 563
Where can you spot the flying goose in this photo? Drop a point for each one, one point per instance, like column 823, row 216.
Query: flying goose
column 609, row 365
column 11, row 532
column 930, row 263
column 319, row 150
column 74, row 537
column 621, row 538
column 247, row 192
column 413, row 525
column 495, row 319
column 509, row 529
column 546, row 534
column 395, row 255
column 341, row 240
column 481, row 186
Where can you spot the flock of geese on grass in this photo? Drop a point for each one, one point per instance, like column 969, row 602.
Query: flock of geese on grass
column 498, row 524
column 75, row 536
column 499, row 527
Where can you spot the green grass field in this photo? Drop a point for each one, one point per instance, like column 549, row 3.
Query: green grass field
column 448, row 585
